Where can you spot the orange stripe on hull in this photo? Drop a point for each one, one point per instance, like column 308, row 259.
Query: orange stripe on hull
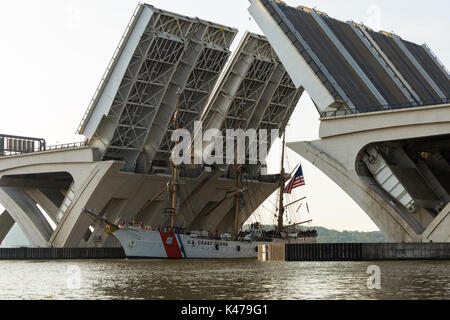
column 171, row 246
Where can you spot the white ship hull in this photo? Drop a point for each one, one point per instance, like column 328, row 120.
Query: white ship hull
column 145, row 244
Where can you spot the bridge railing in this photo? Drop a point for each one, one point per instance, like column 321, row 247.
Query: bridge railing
column 15, row 145
column 66, row 146
column 10, row 145
column 436, row 58
column 354, row 111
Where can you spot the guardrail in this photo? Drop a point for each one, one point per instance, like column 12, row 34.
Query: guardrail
column 66, row 146
column 436, row 58
column 353, row 111
column 16, row 145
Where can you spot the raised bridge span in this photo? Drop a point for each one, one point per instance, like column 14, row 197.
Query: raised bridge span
column 165, row 61
column 385, row 116
column 384, row 135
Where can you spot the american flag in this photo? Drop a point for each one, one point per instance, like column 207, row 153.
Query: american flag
column 297, row 181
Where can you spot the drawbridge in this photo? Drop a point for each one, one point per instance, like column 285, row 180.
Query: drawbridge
column 383, row 103
column 385, row 116
column 165, row 62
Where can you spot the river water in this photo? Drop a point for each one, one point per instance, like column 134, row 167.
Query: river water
column 227, row 279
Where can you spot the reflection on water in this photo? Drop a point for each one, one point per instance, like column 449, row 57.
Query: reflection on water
column 228, row 279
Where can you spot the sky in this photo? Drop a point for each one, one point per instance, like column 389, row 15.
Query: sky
column 54, row 53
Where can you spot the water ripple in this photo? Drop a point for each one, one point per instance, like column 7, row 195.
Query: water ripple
column 227, row 279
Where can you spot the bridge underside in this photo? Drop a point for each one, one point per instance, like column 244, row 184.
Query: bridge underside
column 45, row 193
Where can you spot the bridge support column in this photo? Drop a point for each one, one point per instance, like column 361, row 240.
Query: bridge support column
column 46, row 204
column 24, row 211
column 437, row 231
column 390, row 222
column 6, row 223
column 75, row 223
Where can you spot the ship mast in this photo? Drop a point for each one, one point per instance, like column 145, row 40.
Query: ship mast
column 282, row 182
column 237, row 198
column 175, row 170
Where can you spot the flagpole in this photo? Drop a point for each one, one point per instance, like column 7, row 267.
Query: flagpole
column 295, row 170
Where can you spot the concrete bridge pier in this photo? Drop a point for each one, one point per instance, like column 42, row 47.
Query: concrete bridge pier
column 50, row 207
column 385, row 117
column 391, row 222
column 386, row 162
column 437, row 231
column 46, row 192
column 6, row 223
column 25, row 212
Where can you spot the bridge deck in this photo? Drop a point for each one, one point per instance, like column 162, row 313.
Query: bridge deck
column 360, row 69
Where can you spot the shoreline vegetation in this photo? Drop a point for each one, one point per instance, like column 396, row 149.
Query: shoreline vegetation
column 333, row 236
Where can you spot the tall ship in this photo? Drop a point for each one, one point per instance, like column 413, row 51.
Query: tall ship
column 172, row 242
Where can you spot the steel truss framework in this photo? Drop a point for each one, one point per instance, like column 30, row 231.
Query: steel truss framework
column 175, row 53
column 255, row 92
column 177, row 62
column 195, row 96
